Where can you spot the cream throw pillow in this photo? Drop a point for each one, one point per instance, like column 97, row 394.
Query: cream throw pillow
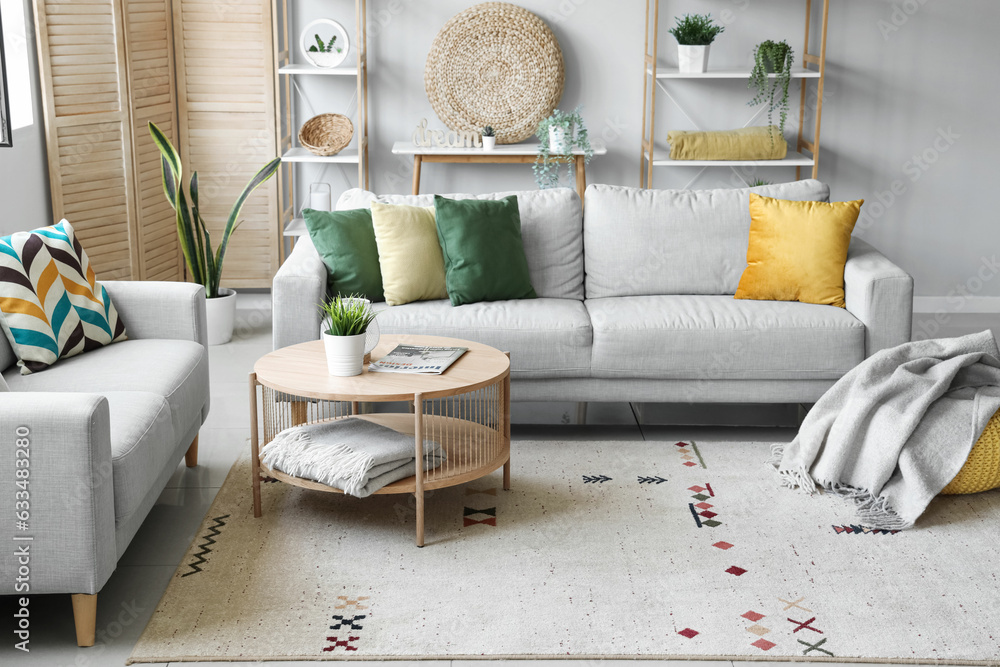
column 409, row 253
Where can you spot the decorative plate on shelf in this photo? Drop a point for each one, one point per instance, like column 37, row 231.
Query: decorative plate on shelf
column 495, row 64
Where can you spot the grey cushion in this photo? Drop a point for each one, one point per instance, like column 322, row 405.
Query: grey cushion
column 177, row 370
column 546, row 338
column 142, row 444
column 551, row 227
column 644, row 242
column 722, row 338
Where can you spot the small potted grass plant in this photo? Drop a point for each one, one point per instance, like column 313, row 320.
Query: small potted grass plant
column 694, row 34
column 489, row 138
column 345, row 327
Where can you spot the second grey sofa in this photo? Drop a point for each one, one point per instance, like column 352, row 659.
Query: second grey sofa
column 636, row 302
column 106, row 430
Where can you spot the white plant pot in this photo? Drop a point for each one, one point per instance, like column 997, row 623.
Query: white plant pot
column 220, row 313
column 326, row 59
column 344, row 354
column 558, row 141
column 692, row 58
column 489, row 143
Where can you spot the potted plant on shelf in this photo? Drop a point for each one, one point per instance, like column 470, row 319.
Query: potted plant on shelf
column 203, row 265
column 558, row 136
column 772, row 58
column 489, row 138
column 694, row 34
column 325, row 54
column 345, row 328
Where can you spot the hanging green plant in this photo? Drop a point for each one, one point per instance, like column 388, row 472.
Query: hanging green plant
column 571, row 130
column 772, row 58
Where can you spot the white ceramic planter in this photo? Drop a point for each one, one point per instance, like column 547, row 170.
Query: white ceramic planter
column 558, row 141
column 344, row 354
column 692, row 59
column 325, row 59
column 489, row 143
column 220, row 313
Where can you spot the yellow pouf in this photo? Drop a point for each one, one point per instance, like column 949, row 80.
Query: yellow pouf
column 981, row 471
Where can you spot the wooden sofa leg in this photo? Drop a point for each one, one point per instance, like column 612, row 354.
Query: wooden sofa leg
column 85, row 618
column 191, row 456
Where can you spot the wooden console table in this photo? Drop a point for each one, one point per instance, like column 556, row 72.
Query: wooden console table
column 505, row 154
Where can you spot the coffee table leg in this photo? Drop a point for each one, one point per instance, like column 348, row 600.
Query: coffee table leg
column 418, row 436
column 506, row 427
column 254, row 447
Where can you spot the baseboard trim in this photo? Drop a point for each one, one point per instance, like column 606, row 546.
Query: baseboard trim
column 948, row 304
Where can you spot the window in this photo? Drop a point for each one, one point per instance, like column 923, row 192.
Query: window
column 15, row 78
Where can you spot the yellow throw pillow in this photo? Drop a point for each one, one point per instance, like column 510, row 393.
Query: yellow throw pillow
column 409, row 253
column 797, row 250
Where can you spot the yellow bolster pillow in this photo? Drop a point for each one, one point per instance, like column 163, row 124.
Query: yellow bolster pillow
column 748, row 143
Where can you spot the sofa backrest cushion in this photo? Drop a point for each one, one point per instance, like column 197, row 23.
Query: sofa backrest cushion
column 551, row 227
column 645, row 242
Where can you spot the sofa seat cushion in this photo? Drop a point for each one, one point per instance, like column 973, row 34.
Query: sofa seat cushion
column 143, row 442
column 720, row 338
column 177, row 370
column 546, row 338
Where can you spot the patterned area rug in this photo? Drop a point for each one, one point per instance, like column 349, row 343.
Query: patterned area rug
column 614, row 549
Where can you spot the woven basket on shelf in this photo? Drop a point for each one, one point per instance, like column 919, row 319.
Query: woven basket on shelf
column 326, row 134
column 495, row 64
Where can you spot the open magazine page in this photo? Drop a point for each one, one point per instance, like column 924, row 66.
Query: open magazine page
column 418, row 359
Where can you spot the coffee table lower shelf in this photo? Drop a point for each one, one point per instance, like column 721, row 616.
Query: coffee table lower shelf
column 465, row 462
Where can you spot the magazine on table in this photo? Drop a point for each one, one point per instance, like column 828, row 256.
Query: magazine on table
column 419, row 359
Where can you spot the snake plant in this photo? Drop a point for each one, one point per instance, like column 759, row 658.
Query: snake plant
column 204, row 266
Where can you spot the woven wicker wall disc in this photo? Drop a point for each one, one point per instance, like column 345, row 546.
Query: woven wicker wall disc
column 495, row 64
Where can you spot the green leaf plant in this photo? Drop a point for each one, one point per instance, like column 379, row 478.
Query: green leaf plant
column 695, row 30
column 546, row 167
column 772, row 58
column 204, row 266
column 346, row 316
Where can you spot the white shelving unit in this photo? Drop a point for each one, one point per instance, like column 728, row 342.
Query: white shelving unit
column 287, row 130
column 656, row 78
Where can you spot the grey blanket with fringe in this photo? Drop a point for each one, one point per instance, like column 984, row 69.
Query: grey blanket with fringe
column 354, row 455
column 894, row 431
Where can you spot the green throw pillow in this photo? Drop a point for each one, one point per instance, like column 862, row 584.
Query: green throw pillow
column 483, row 253
column 346, row 242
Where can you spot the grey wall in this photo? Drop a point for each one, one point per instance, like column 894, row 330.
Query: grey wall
column 24, row 175
column 909, row 117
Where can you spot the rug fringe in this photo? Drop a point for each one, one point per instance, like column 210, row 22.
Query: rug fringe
column 293, row 452
column 872, row 510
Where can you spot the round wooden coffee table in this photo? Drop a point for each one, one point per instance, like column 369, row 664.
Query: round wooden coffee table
column 466, row 409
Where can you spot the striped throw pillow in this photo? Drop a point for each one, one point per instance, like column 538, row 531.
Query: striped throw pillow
column 51, row 304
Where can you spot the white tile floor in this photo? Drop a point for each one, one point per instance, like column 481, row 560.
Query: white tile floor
column 128, row 600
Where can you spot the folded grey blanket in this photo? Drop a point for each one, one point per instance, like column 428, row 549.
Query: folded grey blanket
column 353, row 455
column 894, row 431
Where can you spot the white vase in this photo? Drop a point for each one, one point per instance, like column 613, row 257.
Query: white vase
column 489, row 143
column 326, row 59
column 344, row 354
column 220, row 313
column 692, row 59
column 558, row 140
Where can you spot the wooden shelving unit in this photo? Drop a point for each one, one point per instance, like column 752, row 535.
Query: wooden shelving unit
column 655, row 76
column 287, row 129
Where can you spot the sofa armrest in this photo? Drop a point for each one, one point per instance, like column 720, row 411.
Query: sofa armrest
column 69, row 492
column 299, row 287
column 880, row 294
column 159, row 309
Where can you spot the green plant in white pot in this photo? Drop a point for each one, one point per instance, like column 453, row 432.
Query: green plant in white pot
column 694, row 34
column 558, row 136
column 489, row 138
column 771, row 76
column 346, row 321
column 203, row 265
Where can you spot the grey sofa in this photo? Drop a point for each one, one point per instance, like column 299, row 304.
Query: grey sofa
column 635, row 302
column 106, row 430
